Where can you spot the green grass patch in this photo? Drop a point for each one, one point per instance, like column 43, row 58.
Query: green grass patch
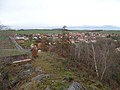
column 110, row 32
column 10, row 52
column 37, row 31
column 52, row 64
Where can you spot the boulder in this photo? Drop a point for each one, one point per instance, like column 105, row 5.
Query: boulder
column 28, row 66
column 26, row 86
column 48, row 88
column 75, row 86
column 38, row 69
column 49, row 76
column 25, row 74
column 39, row 78
column 15, row 81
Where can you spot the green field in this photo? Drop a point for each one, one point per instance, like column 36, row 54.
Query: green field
column 10, row 52
column 4, row 34
column 110, row 32
column 47, row 31
column 4, row 40
column 37, row 31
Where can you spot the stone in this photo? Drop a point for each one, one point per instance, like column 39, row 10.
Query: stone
column 39, row 78
column 25, row 74
column 75, row 86
column 49, row 76
column 15, row 81
column 28, row 66
column 38, row 69
column 26, row 86
column 48, row 88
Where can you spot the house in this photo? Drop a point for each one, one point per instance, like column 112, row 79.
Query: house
column 19, row 38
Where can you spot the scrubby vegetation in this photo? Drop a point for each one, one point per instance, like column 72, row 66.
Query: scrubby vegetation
column 100, row 60
column 96, row 66
column 58, row 77
column 10, row 52
column 4, row 40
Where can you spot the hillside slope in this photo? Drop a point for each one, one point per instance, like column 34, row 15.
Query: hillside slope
column 48, row 72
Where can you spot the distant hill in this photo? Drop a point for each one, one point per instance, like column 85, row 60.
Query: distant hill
column 86, row 27
column 3, row 27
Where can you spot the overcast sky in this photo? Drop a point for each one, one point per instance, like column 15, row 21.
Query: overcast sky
column 60, row 12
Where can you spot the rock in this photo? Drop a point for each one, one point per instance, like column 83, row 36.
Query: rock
column 28, row 66
column 26, row 86
column 48, row 88
column 38, row 69
column 75, row 86
column 14, row 81
column 49, row 76
column 39, row 78
column 25, row 74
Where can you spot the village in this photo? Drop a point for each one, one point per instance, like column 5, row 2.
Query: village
column 74, row 37
column 65, row 52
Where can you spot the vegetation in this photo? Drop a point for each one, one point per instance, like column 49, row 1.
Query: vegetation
column 7, row 48
column 4, row 40
column 94, row 65
column 110, row 32
column 58, row 75
column 98, row 60
column 10, row 52
column 37, row 31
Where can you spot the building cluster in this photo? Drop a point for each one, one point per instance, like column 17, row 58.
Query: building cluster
column 74, row 37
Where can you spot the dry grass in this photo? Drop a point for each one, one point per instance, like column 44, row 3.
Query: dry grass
column 51, row 64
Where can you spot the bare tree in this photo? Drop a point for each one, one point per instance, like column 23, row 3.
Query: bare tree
column 105, row 64
column 96, row 67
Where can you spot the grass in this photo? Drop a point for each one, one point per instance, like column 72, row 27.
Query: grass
column 48, row 31
column 37, row 31
column 50, row 63
column 4, row 40
column 110, row 32
column 10, row 52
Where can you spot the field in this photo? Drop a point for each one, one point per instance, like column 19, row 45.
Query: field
column 4, row 34
column 37, row 31
column 10, row 52
column 6, row 47
column 4, row 40
column 6, row 44
column 48, row 31
column 110, row 32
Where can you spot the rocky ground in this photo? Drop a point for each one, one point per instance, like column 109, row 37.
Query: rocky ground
column 47, row 72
